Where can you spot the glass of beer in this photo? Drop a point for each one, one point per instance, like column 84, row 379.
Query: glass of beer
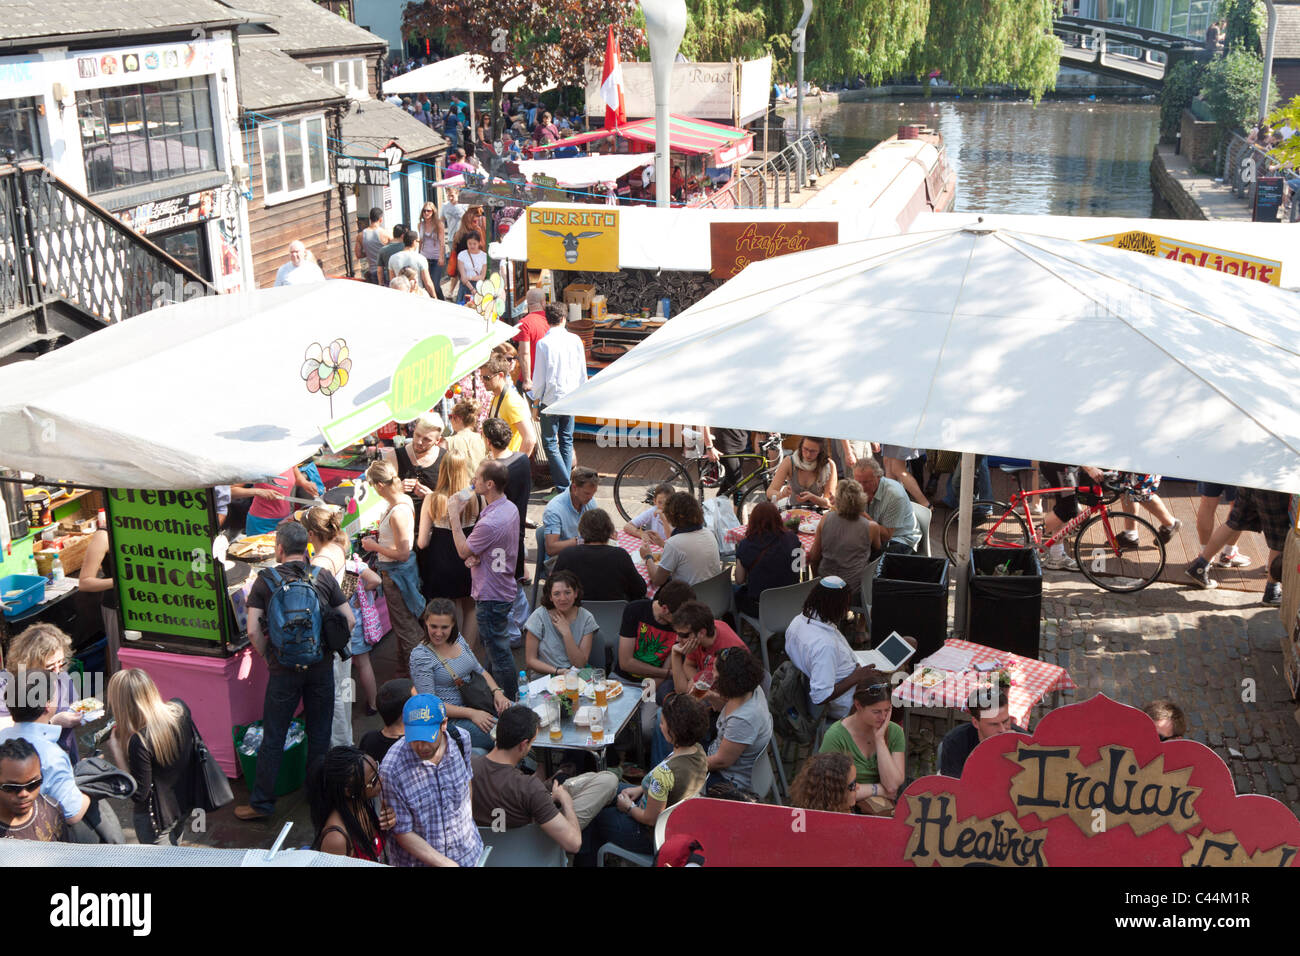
column 598, row 686
column 597, row 725
column 555, row 712
column 701, row 687
column 571, row 687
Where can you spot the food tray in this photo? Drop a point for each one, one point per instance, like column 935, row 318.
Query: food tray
column 30, row 590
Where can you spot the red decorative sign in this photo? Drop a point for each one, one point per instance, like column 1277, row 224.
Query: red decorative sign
column 1093, row 786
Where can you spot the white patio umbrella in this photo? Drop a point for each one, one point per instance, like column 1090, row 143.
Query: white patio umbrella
column 456, row 74
column 210, row 391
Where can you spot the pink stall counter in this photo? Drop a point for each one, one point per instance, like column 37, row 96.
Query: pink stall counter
column 222, row 692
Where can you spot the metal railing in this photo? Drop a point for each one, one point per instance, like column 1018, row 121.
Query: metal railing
column 777, row 178
column 1244, row 163
column 61, row 248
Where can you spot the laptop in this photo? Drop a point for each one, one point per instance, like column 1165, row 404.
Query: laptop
column 889, row 655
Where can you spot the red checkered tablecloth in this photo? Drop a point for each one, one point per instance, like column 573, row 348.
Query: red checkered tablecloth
column 1031, row 680
column 734, row 535
column 632, row 545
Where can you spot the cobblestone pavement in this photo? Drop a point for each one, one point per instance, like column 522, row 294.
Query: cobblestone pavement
column 1217, row 654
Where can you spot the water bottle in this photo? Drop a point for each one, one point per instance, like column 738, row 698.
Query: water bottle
column 56, row 570
column 524, row 697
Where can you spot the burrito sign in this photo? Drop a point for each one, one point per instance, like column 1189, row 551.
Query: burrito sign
column 1207, row 257
column 1094, row 786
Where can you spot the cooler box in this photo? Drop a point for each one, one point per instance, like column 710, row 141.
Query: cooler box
column 910, row 595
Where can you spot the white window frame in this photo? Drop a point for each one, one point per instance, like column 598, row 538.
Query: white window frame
column 343, row 74
column 311, row 188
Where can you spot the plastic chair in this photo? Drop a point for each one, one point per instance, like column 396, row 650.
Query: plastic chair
column 923, row 515
column 716, row 592
column 639, row 859
column 544, row 564
column 777, row 607
column 863, row 606
column 522, row 846
column 763, row 781
column 609, row 620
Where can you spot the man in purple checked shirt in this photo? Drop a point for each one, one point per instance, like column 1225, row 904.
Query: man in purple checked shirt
column 490, row 552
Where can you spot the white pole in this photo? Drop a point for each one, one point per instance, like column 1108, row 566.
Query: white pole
column 665, row 22
column 1268, row 58
column 967, row 495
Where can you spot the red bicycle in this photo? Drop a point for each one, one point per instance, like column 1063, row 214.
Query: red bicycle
column 1125, row 560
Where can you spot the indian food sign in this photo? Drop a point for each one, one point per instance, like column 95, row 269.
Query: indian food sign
column 734, row 245
column 1094, row 786
column 1207, row 257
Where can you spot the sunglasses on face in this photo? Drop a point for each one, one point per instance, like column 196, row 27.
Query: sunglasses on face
column 30, row 786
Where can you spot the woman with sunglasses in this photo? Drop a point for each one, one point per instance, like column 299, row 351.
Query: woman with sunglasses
column 25, row 812
column 826, row 782
column 43, row 647
column 873, row 742
column 433, row 243
column 342, row 787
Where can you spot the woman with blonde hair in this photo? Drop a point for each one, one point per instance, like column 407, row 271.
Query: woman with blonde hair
column 465, row 438
column 43, row 647
column 842, row 544
column 158, row 738
column 393, row 543
column 826, row 782
column 443, row 573
column 417, row 461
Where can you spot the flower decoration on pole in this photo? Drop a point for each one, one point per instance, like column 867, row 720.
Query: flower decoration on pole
column 489, row 299
column 326, row 370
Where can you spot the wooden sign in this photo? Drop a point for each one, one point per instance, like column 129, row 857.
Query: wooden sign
column 579, row 240
column 735, row 245
column 1093, row 786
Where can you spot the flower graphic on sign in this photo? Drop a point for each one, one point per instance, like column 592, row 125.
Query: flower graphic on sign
column 326, row 370
column 490, row 301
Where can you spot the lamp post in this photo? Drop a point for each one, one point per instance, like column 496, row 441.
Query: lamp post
column 665, row 23
column 1268, row 58
column 800, row 37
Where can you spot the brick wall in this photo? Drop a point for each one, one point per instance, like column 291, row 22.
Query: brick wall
column 1198, row 138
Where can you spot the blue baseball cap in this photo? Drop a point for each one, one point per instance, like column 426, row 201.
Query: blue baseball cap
column 422, row 717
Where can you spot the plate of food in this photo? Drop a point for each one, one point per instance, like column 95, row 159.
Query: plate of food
column 556, row 686
column 90, row 708
column 931, row 677
column 254, row 548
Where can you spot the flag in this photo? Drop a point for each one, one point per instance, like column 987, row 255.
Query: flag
column 611, row 84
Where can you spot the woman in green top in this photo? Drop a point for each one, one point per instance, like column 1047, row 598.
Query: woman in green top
column 876, row 744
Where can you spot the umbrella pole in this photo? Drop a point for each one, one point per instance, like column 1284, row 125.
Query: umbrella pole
column 966, row 495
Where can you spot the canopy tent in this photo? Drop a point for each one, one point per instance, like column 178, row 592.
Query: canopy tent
column 985, row 340
column 454, row 74
column 723, row 144
column 586, row 170
column 210, row 391
column 679, row 239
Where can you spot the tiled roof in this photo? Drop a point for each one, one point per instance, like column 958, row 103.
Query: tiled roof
column 269, row 79
column 370, row 125
column 34, row 19
column 1286, row 43
column 302, row 26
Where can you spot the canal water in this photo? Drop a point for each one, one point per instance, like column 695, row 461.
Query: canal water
column 1068, row 158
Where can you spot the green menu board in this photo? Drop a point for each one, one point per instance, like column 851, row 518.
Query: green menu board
column 167, row 581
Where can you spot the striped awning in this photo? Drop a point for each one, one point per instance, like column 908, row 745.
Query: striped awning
column 724, row 144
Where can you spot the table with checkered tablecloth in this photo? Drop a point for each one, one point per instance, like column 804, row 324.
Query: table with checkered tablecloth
column 632, row 545
column 1031, row 681
column 736, row 534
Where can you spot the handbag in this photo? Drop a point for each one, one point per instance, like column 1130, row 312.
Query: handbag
column 474, row 692
column 370, row 625
column 209, row 788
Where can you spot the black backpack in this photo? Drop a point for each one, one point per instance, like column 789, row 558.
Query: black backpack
column 792, row 719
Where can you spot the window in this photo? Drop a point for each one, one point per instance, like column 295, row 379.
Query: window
column 347, row 75
column 293, row 159
column 141, row 134
column 18, row 129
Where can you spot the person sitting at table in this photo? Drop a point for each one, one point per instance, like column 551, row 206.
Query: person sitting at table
column 271, row 503
column 417, row 461
column 44, row 647
column 649, row 525
column 1170, row 721
column 894, row 525
column 744, row 723
column 646, row 636
column 684, row 722
column 700, row 639
column 876, row 744
column 826, row 782
column 768, row 556
column 807, row 478
column 443, row 573
column 560, row 519
column 442, row 665
column 816, row 647
column 605, row 570
column 558, row 634
column 691, row 552
column 465, row 437
column 842, row 545
column 990, row 715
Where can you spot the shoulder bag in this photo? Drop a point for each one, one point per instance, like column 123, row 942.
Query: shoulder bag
column 209, row 788
column 474, row 692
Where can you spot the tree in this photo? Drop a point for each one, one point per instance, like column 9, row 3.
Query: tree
column 1289, row 115
column 719, row 31
column 543, row 41
column 848, row 37
column 1230, row 88
column 1246, row 20
column 997, row 41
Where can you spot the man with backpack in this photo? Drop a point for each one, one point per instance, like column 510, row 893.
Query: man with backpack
column 287, row 607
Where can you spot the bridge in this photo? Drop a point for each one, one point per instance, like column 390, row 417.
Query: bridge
column 1115, row 49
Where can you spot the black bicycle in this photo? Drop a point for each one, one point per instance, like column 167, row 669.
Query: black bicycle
column 635, row 483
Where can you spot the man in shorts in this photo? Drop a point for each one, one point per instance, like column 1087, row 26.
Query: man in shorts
column 896, row 459
column 1210, row 494
column 1253, row 510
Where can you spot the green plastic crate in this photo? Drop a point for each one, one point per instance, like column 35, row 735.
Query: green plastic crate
column 293, row 765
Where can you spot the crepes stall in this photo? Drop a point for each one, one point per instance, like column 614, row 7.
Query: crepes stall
column 135, row 412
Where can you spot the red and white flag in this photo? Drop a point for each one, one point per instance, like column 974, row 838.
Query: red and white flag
column 611, row 84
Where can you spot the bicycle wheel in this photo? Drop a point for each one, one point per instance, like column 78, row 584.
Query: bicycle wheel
column 993, row 525
column 635, row 482
column 1115, row 568
column 752, row 496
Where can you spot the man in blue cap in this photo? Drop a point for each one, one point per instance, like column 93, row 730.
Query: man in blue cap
column 427, row 780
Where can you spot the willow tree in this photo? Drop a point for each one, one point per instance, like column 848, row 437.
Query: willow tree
column 847, row 37
column 718, row 31
column 992, row 42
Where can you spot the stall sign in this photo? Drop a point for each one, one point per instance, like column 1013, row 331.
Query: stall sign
column 735, row 245
column 418, row 384
column 1207, row 257
column 576, row 240
column 356, row 171
column 167, row 582
column 1268, row 198
column 1093, row 786
column 164, row 214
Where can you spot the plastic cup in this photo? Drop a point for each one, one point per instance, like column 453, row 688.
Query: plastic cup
column 598, row 686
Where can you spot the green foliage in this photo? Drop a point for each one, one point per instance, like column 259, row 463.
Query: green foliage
column 718, row 31
column 1288, row 151
column 996, row 41
column 847, row 37
column 1182, row 83
column 1230, row 87
column 1247, row 20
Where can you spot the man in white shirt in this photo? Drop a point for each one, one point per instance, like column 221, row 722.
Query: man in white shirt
column 560, row 368
column 815, row 646
column 299, row 269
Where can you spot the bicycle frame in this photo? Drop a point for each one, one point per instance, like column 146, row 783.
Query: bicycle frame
column 1021, row 499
